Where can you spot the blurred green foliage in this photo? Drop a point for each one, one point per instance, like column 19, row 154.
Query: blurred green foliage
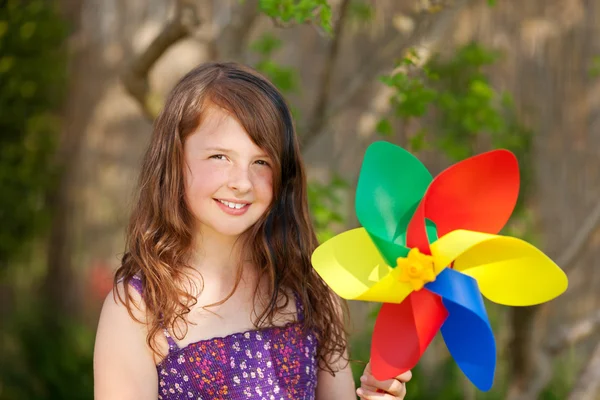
column 361, row 11
column 462, row 106
column 299, row 11
column 285, row 78
column 40, row 360
column 32, row 82
column 326, row 202
column 594, row 70
column 45, row 359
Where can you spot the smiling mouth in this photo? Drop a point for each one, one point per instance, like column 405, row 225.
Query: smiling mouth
column 232, row 205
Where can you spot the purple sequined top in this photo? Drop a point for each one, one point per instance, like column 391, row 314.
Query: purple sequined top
column 273, row 363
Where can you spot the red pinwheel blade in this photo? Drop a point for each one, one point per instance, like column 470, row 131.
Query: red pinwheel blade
column 403, row 332
column 477, row 194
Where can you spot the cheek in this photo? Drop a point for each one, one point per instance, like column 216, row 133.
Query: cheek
column 263, row 183
column 202, row 180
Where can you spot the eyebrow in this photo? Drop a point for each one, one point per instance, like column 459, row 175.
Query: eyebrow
column 224, row 150
column 217, row 149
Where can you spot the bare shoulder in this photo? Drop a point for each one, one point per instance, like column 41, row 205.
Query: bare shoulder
column 114, row 308
column 123, row 365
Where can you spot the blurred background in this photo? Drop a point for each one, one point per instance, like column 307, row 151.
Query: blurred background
column 82, row 80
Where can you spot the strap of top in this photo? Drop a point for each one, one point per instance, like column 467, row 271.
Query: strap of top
column 138, row 285
column 299, row 307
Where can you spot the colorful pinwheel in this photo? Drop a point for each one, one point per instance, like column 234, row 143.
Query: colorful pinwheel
column 428, row 250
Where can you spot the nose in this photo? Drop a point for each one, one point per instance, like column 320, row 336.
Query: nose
column 239, row 180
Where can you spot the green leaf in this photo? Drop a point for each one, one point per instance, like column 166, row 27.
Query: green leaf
column 482, row 89
column 361, row 11
column 384, row 127
column 3, row 28
column 285, row 78
column 301, row 11
column 27, row 30
column 594, row 70
column 266, row 44
column 325, row 201
column 337, row 182
column 418, row 142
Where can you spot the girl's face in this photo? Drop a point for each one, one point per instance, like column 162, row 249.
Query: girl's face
column 228, row 179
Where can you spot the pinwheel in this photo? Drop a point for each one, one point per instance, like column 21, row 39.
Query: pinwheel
column 428, row 250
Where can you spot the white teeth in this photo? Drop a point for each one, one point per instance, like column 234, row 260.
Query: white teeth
column 229, row 204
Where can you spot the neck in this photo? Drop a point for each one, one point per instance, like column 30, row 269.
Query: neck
column 216, row 256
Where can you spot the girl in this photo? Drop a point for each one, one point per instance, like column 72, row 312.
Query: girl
column 216, row 297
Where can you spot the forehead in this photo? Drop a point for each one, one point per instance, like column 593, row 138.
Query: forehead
column 219, row 129
column 215, row 120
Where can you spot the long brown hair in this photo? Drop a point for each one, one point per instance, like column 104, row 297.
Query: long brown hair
column 159, row 237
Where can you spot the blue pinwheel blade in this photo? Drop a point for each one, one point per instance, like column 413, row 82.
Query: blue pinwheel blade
column 467, row 331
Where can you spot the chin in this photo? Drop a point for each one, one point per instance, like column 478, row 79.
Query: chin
column 233, row 233
column 230, row 230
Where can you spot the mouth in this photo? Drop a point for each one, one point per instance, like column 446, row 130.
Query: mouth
column 234, row 207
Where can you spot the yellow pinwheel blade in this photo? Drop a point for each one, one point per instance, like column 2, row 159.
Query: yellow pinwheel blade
column 352, row 266
column 508, row 270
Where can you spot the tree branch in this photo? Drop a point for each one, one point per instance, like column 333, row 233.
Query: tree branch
column 577, row 333
column 538, row 364
column 318, row 114
column 234, row 38
column 590, row 224
column 135, row 77
column 586, row 387
column 431, row 24
column 574, row 334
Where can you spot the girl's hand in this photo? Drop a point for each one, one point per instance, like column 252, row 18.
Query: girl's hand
column 391, row 389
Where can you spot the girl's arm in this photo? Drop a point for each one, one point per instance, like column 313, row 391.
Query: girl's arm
column 124, row 367
column 341, row 386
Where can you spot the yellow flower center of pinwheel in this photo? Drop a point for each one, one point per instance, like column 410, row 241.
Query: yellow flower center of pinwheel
column 416, row 269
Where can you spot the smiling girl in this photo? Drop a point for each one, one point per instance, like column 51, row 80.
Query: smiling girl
column 216, row 297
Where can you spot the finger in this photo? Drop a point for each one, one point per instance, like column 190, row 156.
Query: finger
column 368, row 387
column 392, row 386
column 404, row 377
column 370, row 395
column 364, row 384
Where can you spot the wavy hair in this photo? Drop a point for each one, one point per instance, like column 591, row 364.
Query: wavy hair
column 160, row 232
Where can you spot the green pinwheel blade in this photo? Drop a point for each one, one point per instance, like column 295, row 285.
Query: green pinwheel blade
column 390, row 185
column 390, row 251
column 430, row 229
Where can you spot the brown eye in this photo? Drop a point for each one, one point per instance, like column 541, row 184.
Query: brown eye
column 262, row 162
column 218, row 157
